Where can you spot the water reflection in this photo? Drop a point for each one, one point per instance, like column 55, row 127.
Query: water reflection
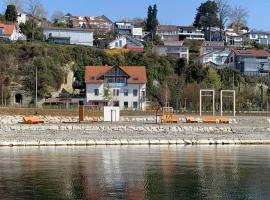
column 135, row 172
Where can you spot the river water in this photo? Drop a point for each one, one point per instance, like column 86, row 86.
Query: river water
column 135, row 172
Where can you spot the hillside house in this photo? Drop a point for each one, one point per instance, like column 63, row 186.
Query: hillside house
column 127, row 86
column 190, row 33
column 257, row 37
column 251, row 62
column 68, row 36
column 216, row 58
column 10, row 32
column 173, row 49
column 210, row 46
column 126, row 42
column 233, row 39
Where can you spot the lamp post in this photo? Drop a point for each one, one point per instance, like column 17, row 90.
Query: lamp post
column 36, row 88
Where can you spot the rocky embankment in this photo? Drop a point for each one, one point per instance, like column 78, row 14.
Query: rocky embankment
column 131, row 130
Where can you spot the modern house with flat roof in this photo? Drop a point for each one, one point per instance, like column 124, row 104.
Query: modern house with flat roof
column 258, row 37
column 127, row 86
column 68, row 36
column 251, row 62
column 215, row 58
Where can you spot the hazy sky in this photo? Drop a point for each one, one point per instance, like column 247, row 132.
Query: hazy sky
column 179, row 12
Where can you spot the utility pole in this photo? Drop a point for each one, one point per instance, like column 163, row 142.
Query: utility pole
column 36, row 87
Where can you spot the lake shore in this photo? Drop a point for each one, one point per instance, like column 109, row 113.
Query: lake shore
column 132, row 131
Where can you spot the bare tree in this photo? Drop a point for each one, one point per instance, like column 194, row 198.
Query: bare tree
column 36, row 9
column 223, row 14
column 18, row 4
column 57, row 16
column 238, row 17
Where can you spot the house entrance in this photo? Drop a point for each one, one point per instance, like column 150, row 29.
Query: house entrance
column 18, row 98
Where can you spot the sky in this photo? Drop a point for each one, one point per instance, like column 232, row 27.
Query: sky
column 178, row 12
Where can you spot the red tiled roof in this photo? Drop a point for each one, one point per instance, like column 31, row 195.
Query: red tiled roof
column 137, row 74
column 251, row 53
column 8, row 28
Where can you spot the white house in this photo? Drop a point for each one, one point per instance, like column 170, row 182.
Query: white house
column 22, row 18
column 68, row 36
column 233, row 39
column 217, row 58
column 126, row 85
column 10, row 32
column 258, row 37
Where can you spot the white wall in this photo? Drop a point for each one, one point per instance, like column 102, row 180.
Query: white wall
column 76, row 36
column 90, row 95
column 137, row 32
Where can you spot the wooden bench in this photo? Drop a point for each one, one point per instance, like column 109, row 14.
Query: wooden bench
column 191, row 120
column 210, row 120
column 168, row 118
column 33, row 120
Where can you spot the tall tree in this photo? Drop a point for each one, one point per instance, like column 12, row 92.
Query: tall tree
column 206, row 17
column 149, row 19
column 223, row 14
column 152, row 21
column 36, row 9
column 238, row 18
column 11, row 13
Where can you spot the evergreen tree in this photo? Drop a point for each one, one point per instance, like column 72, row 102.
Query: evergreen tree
column 206, row 17
column 11, row 13
column 152, row 21
column 149, row 19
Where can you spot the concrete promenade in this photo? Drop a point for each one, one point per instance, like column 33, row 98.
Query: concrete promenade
column 132, row 131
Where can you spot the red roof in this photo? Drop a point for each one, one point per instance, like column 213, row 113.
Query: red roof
column 251, row 53
column 132, row 48
column 137, row 74
column 8, row 28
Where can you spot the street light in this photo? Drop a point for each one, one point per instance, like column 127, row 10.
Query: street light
column 36, row 87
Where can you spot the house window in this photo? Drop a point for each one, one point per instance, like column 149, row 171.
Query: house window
column 231, row 59
column 135, row 93
column 96, row 91
column 135, row 104
column 116, row 44
column 183, row 50
column 125, row 104
column 120, row 43
column 115, row 92
column 125, row 92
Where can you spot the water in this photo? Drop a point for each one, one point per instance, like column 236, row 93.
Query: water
column 135, row 172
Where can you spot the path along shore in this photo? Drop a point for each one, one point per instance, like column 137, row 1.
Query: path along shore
column 62, row 131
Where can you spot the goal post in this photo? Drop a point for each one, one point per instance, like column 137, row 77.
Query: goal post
column 221, row 100
column 205, row 93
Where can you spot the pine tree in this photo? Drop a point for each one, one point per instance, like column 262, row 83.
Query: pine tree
column 11, row 13
column 149, row 19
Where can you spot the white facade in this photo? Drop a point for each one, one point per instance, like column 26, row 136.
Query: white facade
column 131, row 97
column 76, row 36
column 22, row 18
column 16, row 35
column 137, row 32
